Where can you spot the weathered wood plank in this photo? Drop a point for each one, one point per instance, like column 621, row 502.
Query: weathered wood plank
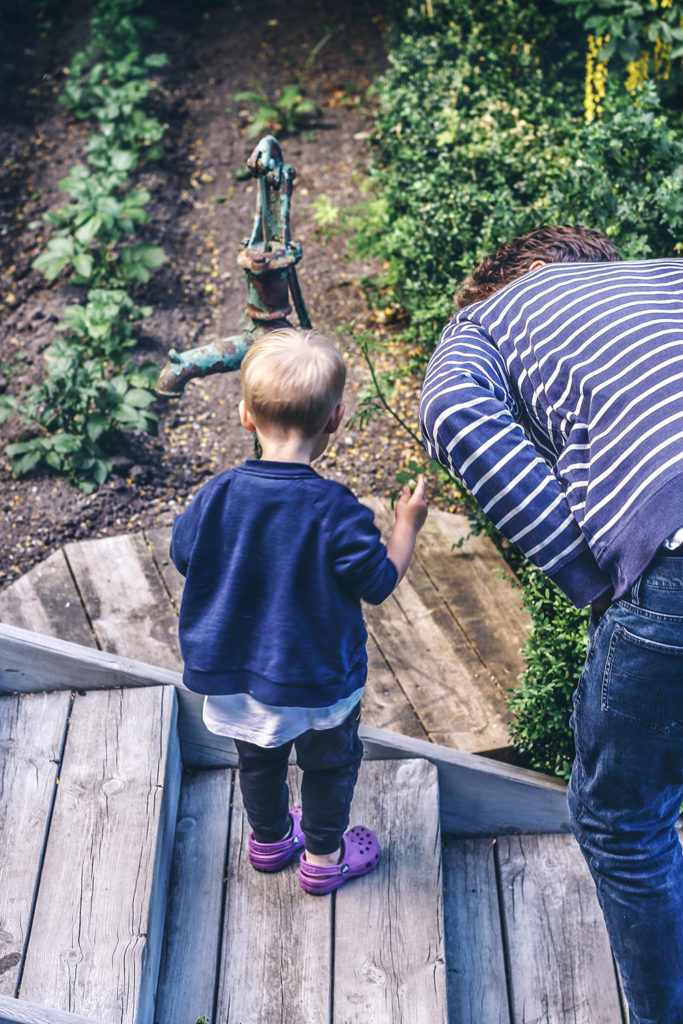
column 475, row 962
column 31, row 662
column 275, row 961
column 385, row 705
column 480, row 590
column 188, row 971
column 422, row 638
column 440, row 676
column 18, row 1011
column 31, row 737
column 159, row 541
column 96, row 939
column 127, row 603
column 479, row 797
column 560, row 961
column 46, row 600
column 389, row 956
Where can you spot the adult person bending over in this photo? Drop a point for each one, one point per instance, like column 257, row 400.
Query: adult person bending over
column 556, row 395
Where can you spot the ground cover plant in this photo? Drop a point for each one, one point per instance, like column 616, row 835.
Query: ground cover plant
column 485, row 131
column 92, row 388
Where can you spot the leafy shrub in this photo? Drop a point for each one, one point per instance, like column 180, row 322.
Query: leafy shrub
column 480, row 137
column 642, row 39
column 554, row 652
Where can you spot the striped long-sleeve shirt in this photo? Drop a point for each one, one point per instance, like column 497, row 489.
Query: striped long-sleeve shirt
column 559, row 402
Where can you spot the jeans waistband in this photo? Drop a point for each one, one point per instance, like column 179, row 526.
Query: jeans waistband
column 664, row 573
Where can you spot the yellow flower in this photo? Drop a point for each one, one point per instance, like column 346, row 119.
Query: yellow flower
column 596, row 77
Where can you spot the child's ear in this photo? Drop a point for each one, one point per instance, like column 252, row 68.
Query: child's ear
column 336, row 416
column 245, row 418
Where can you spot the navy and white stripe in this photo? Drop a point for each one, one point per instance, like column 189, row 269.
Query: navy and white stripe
column 559, row 402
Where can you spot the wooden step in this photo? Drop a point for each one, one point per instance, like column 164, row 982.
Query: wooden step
column 93, row 943
column 32, row 731
column 372, row 951
column 525, row 938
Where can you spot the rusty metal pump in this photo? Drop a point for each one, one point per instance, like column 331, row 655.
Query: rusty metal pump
column 268, row 258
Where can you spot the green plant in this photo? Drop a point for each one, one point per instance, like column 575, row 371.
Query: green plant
column 327, row 215
column 284, row 115
column 92, row 389
column 480, row 136
column 92, row 226
column 77, row 411
column 288, row 113
column 555, row 652
column 642, row 39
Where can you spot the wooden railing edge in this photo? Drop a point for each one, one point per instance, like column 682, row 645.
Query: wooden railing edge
column 479, row 796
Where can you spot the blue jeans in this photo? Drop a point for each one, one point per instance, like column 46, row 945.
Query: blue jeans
column 627, row 785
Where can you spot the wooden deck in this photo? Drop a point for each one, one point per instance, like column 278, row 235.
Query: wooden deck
column 442, row 650
column 129, row 898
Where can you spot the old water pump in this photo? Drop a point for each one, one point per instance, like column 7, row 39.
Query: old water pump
column 268, row 258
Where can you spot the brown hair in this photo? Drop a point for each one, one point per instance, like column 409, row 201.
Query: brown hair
column 562, row 244
column 293, row 378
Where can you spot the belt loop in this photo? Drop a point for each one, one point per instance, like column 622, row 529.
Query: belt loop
column 635, row 591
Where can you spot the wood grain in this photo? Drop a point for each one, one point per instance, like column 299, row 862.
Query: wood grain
column 127, row 603
column 478, row 586
column 32, row 732
column 187, row 982
column 385, row 705
column 560, row 962
column 276, row 940
column 477, row 989
column 18, row 1011
column 96, row 938
column 478, row 796
column 389, row 955
column 455, row 696
column 159, row 541
column 46, row 600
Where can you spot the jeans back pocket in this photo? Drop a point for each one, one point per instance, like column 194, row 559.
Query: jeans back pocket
column 643, row 682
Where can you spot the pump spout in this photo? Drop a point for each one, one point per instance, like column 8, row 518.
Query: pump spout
column 215, row 357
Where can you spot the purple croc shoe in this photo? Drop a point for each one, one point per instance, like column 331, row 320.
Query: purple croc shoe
column 360, row 854
column 275, row 856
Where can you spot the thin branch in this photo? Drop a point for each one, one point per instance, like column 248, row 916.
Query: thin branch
column 383, row 400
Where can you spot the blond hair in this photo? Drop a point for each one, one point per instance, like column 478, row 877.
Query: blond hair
column 293, row 378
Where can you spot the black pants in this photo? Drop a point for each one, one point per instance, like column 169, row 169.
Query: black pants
column 329, row 760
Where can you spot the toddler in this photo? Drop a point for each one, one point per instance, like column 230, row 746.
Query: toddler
column 276, row 560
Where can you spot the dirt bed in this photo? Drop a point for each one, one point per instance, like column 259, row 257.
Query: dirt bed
column 200, row 215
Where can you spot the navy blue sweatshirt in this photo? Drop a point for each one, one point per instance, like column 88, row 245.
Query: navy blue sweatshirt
column 276, row 560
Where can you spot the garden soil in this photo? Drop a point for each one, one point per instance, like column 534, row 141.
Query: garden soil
column 201, row 213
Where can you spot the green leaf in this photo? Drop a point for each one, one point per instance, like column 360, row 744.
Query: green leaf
column 25, row 463
column 101, row 470
column 83, row 265
column 96, row 424
column 89, row 230
column 139, row 399
column 123, row 159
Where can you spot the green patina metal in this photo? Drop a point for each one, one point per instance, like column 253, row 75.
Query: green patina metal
column 268, row 258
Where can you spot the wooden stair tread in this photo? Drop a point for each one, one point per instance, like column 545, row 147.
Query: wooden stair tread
column 372, row 951
column 95, row 938
column 525, row 937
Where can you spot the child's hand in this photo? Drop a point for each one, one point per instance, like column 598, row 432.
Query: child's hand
column 412, row 508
